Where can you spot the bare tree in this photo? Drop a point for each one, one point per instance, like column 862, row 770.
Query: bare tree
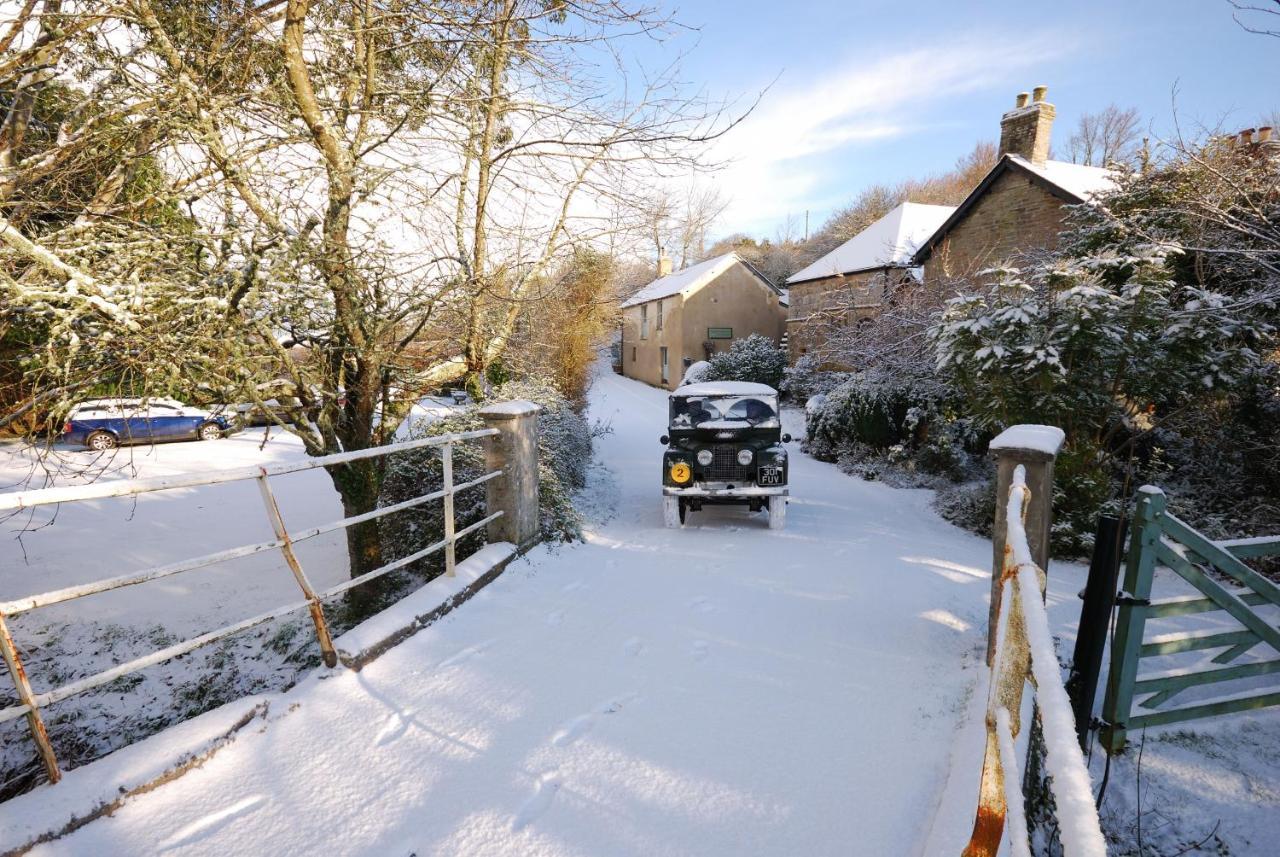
column 1108, row 136
column 358, row 196
column 677, row 222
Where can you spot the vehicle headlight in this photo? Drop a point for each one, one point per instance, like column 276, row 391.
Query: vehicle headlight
column 680, row 473
column 704, row 457
column 744, row 457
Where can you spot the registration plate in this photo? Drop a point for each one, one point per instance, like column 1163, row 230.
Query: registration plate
column 771, row 474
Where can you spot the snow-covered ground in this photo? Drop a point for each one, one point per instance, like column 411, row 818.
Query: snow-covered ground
column 722, row 689
column 52, row 547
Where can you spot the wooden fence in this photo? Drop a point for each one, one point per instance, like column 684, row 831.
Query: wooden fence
column 284, row 541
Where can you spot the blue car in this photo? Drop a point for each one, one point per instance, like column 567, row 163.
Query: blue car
column 102, row 424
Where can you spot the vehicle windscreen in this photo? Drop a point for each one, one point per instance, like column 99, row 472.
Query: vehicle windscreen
column 723, row 412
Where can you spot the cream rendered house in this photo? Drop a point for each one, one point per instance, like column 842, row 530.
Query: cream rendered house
column 691, row 314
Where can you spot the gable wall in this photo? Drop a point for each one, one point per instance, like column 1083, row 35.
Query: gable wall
column 735, row 299
column 1015, row 214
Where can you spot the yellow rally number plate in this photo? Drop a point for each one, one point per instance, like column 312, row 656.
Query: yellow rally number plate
column 680, row 472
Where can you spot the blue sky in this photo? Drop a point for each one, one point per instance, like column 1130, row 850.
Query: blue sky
column 879, row 90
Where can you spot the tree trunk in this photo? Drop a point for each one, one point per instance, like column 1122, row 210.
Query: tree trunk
column 358, row 484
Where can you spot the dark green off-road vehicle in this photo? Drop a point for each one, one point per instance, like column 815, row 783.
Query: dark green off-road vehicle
column 725, row 446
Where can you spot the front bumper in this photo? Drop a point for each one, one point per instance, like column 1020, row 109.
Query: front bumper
column 719, row 489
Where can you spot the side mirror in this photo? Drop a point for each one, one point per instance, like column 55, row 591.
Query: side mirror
column 786, row 438
column 664, row 440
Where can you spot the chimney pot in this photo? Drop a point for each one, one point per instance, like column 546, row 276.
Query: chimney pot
column 664, row 265
column 1264, row 134
column 1023, row 98
column 1246, row 136
column 1039, row 93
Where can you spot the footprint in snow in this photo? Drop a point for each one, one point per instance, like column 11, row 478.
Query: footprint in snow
column 570, row 587
column 395, row 726
column 538, row 802
column 633, row 646
column 465, row 655
column 700, row 649
column 576, row 727
column 702, row 604
column 555, row 617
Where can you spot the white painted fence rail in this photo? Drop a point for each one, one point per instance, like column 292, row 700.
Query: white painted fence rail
column 1024, row 652
column 31, row 702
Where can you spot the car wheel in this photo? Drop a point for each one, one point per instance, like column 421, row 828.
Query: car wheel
column 210, row 431
column 777, row 512
column 101, row 441
column 684, row 510
column 672, row 512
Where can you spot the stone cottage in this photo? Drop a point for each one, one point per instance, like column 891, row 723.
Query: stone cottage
column 691, row 314
column 1019, row 207
column 852, row 282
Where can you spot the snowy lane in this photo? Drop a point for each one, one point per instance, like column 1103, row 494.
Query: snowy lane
column 721, row 689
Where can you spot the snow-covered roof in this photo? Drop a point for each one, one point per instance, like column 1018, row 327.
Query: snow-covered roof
column 1072, row 183
column 689, row 279
column 725, row 388
column 889, row 242
column 1076, row 179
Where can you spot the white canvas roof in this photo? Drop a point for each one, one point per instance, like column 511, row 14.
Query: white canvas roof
column 688, row 279
column 889, row 242
column 725, row 388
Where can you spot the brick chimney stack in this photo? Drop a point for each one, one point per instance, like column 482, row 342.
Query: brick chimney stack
column 1025, row 129
column 664, row 264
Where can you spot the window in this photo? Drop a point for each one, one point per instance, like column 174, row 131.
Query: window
column 719, row 333
column 665, row 376
column 633, row 354
column 644, row 321
column 659, row 325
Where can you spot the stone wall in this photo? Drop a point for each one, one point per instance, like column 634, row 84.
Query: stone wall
column 816, row 305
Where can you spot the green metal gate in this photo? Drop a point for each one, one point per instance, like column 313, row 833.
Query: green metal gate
column 1159, row 538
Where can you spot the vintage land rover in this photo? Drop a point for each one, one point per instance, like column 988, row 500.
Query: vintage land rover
column 724, row 447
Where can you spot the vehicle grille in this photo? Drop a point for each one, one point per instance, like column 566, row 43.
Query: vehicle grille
column 725, row 467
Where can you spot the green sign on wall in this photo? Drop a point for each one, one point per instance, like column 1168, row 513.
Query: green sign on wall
column 719, row 333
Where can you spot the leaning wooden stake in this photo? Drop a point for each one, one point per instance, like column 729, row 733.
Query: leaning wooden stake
column 34, row 721
column 286, row 547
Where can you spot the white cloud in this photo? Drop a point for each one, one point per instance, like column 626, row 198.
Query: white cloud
column 775, row 155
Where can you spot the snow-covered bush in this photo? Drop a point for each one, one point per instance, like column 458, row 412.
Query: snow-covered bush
column 806, row 379
column 1143, row 345
column 757, row 359
column 564, row 455
column 871, row 408
column 696, row 373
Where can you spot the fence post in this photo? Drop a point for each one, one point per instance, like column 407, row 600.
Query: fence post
column 38, row 733
column 1099, row 597
column 514, row 451
column 1035, row 448
column 1131, row 619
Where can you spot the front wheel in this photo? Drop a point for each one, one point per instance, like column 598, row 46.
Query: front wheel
column 672, row 513
column 777, row 512
column 210, row 431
